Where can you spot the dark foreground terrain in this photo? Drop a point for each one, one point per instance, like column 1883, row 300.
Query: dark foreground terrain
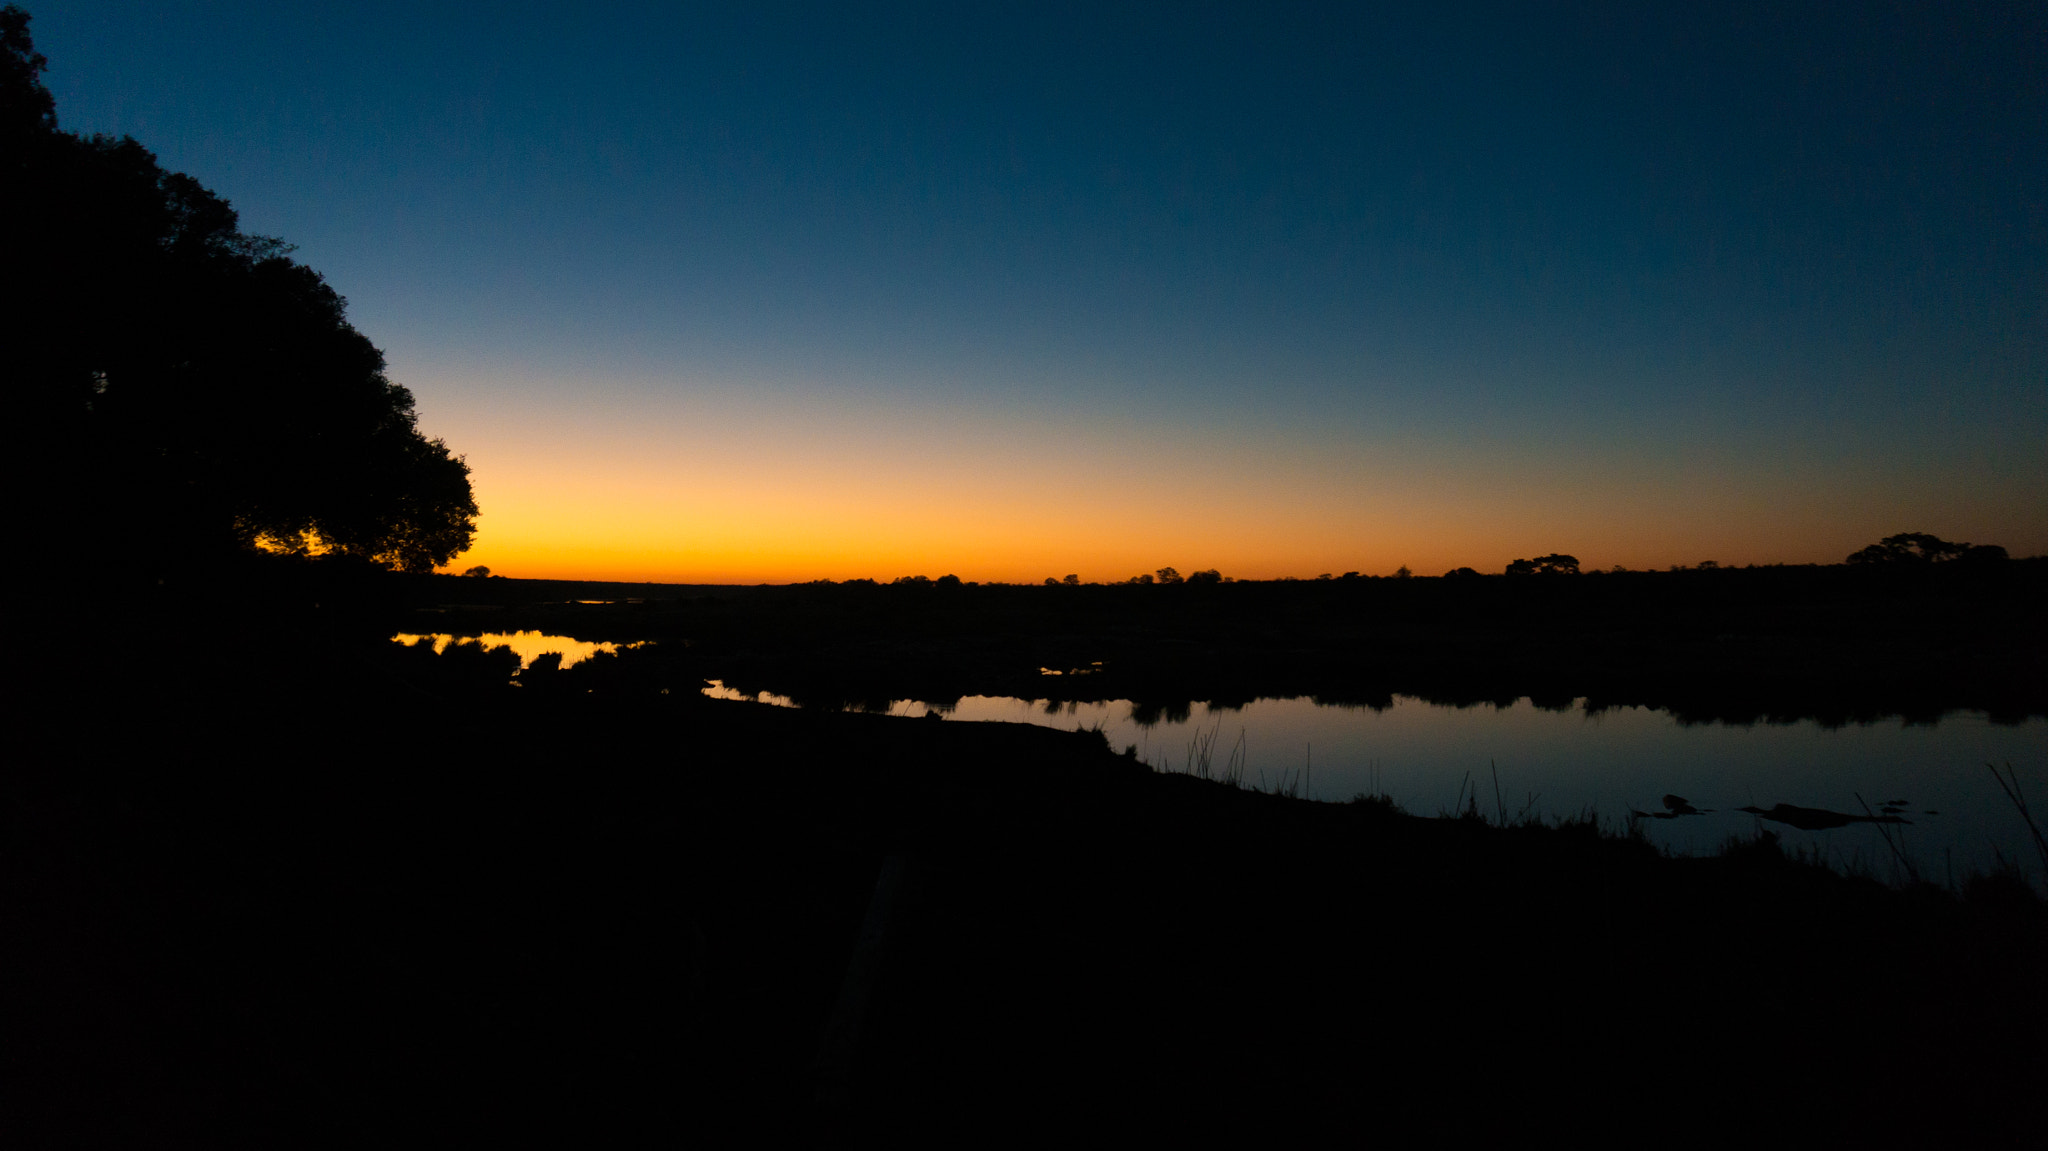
column 268, row 883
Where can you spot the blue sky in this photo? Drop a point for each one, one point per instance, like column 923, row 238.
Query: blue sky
column 1045, row 289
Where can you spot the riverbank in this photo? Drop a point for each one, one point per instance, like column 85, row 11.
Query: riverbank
column 298, row 900
column 1837, row 644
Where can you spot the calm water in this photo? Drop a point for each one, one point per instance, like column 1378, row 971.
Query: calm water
column 528, row 644
column 1564, row 762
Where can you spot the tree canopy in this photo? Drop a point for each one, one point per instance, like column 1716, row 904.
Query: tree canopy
column 187, row 388
column 1909, row 548
column 1556, row 563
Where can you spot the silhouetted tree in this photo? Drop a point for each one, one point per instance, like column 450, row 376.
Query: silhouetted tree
column 1921, row 548
column 1209, row 576
column 1556, row 563
column 28, row 110
column 1169, row 575
column 182, row 387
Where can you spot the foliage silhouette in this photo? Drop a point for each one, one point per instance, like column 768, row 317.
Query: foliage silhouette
column 192, row 389
column 1909, row 548
column 1556, row 563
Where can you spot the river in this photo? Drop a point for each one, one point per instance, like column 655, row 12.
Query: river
column 1525, row 761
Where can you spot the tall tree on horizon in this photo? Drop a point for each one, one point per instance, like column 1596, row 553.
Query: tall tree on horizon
column 185, row 389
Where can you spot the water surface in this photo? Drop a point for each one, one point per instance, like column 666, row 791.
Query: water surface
column 1552, row 763
column 528, row 645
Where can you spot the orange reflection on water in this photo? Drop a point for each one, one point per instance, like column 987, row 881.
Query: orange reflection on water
column 528, row 645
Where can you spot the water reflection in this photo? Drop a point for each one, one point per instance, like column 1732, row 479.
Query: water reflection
column 718, row 690
column 1520, row 758
column 528, row 645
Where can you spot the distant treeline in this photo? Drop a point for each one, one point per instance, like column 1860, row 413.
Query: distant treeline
column 1836, row 642
column 1839, row 643
column 1908, row 549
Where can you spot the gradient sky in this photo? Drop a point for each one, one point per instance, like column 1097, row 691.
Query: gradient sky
column 761, row 294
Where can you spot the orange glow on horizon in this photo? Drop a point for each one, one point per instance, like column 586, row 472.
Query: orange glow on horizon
column 855, row 527
column 747, row 487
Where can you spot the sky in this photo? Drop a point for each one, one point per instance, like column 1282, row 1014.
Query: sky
column 758, row 293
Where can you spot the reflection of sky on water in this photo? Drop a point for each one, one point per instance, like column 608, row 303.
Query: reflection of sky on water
column 528, row 644
column 718, row 690
column 1570, row 761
